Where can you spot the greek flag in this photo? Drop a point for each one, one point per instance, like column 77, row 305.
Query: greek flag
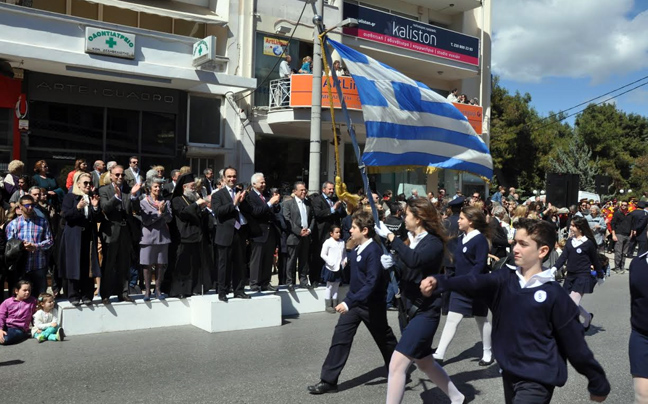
column 408, row 125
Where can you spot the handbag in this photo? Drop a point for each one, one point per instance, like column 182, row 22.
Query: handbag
column 14, row 252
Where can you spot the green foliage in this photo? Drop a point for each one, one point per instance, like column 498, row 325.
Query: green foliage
column 605, row 140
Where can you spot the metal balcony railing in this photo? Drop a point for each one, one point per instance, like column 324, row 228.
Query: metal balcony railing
column 279, row 93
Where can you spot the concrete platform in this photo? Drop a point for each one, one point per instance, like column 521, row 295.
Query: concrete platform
column 210, row 314
column 301, row 301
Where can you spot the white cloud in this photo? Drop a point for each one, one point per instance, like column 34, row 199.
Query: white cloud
column 595, row 39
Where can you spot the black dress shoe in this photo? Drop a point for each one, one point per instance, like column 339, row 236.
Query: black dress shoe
column 126, row 299
column 75, row 303
column 291, row 288
column 323, row 387
column 304, row 285
column 267, row 288
column 222, row 297
column 255, row 288
column 241, row 295
column 105, row 301
column 87, row 301
column 484, row 363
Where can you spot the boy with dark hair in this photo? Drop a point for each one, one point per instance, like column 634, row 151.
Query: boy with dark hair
column 535, row 322
column 365, row 302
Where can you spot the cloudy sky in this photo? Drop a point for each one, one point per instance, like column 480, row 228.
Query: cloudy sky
column 564, row 52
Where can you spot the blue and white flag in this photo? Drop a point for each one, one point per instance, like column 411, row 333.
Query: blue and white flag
column 408, row 125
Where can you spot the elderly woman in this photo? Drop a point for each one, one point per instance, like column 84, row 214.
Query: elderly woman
column 78, row 249
column 43, row 179
column 596, row 222
column 11, row 185
column 79, row 165
column 154, row 245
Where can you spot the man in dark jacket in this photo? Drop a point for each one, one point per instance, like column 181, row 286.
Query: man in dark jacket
column 621, row 226
column 329, row 210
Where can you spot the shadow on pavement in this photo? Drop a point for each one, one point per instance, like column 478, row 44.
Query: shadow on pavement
column 13, row 362
column 367, row 378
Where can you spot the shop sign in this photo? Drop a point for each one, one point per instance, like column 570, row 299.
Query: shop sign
column 474, row 115
column 274, row 46
column 390, row 29
column 204, row 51
column 107, row 42
column 301, row 92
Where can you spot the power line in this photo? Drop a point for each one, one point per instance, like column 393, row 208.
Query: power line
column 598, row 103
column 595, row 98
column 278, row 58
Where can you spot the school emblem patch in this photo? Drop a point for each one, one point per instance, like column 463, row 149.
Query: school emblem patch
column 540, row 296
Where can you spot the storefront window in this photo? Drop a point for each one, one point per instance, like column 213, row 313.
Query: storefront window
column 158, row 133
column 204, row 120
column 6, row 125
column 122, row 128
column 65, row 126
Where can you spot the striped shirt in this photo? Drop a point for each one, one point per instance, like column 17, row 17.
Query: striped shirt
column 34, row 230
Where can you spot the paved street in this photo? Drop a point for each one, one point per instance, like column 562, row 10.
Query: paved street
column 275, row 365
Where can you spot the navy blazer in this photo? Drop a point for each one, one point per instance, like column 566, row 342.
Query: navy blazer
column 367, row 286
column 639, row 222
column 262, row 214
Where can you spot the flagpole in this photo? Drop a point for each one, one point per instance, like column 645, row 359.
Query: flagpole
column 350, row 129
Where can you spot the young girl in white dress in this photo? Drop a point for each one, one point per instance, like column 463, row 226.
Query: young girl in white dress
column 47, row 323
column 334, row 256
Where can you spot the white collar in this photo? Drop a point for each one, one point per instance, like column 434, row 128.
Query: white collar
column 469, row 236
column 414, row 240
column 362, row 246
column 536, row 280
column 578, row 241
column 298, row 200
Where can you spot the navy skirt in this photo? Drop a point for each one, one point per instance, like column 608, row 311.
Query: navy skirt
column 468, row 307
column 330, row 276
column 579, row 283
column 638, row 351
column 416, row 339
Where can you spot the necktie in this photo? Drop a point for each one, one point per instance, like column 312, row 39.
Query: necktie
column 262, row 198
column 237, row 223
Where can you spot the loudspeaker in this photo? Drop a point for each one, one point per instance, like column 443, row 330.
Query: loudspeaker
column 602, row 184
column 562, row 189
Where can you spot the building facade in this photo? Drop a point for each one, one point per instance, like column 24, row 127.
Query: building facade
column 444, row 45
column 107, row 79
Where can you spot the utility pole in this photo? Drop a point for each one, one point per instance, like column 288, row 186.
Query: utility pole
column 315, row 155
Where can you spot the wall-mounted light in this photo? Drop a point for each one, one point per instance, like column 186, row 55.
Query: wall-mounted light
column 283, row 29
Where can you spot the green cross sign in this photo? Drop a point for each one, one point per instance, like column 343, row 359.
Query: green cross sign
column 111, row 42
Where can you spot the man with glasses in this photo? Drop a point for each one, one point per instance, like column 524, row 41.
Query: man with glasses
column 36, row 236
column 117, row 203
column 621, row 225
column 133, row 175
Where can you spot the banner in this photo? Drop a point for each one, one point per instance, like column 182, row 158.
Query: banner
column 274, row 46
column 473, row 113
column 301, row 90
column 390, row 29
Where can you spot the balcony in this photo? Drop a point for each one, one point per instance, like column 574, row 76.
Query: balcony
column 290, row 101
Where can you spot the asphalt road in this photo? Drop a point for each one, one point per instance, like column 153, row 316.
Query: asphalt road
column 274, row 365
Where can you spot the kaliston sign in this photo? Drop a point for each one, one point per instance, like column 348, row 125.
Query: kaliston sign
column 110, row 43
column 390, row 29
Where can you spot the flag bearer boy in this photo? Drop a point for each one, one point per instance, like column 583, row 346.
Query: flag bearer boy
column 535, row 323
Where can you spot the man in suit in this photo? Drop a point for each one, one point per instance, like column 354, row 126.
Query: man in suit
column 499, row 236
column 264, row 207
column 169, row 187
column 639, row 224
column 301, row 220
column 328, row 211
column 132, row 174
column 98, row 170
column 365, row 302
column 208, row 181
column 117, row 202
column 231, row 208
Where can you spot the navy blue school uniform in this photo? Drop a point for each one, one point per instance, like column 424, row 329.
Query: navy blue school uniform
column 414, row 265
column 535, row 331
column 470, row 258
column 366, row 304
column 638, row 346
column 579, row 261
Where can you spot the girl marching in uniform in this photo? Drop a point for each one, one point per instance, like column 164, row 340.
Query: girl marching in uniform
column 581, row 255
column 470, row 258
column 334, row 256
column 418, row 257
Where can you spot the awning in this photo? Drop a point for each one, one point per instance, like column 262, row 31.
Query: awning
column 167, row 8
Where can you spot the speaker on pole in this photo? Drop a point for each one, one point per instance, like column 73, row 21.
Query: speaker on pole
column 602, row 184
column 562, row 189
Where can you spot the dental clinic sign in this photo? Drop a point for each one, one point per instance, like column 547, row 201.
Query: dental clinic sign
column 390, row 29
column 110, row 43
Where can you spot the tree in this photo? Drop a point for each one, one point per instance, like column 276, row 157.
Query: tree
column 576, row 158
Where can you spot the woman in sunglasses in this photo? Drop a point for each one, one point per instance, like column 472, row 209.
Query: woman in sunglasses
column 78, row 249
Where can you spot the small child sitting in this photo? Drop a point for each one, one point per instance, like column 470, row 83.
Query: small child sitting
column 16, row 314
column 46, row 320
